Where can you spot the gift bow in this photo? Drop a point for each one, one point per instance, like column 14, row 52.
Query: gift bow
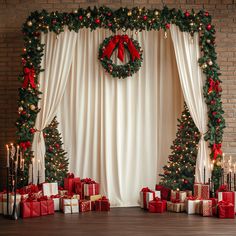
column 216, row 150
column 88, row 181
column 225, row 203
column 214, row 85
column 103, row 198
column 29, row 74
column 120, row 40
column 191, row 198
column 146, row 189
column 223, row 188
column 70, row 175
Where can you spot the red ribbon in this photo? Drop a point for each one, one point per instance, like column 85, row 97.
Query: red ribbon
column 214, row 85
column 216, row 150
column 70, row 176
column 88, row 181
column 146, row 190
column 29, row 74
column 120, row 40
column 191, row 198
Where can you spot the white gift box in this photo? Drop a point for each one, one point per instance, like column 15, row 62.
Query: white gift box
column 149, row 197
column 178, row 195
column 56, row 204
column 70, row 205
column 11, row 203
column 50, row 189
column 192, row 206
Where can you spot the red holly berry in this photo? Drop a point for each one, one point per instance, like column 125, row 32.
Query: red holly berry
column 187, row 14
column 80, row 17
column 209, row 27
column 145, row 17
column 167, row 26
column 23, row 112
column 32, row 130
column 97, row 21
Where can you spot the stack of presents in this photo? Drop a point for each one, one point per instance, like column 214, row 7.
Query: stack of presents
column 78, row 195
column 163, row 199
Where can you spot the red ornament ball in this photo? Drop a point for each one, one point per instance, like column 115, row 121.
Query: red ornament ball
column 209, row 27
column 50, row 149
column 213, row 102
column 110, row 24
column 214, row 113
column 80, row 17
column 218, row 120
column 57, row 145
column 185, row 181
column 167, row 26
column 32, row 130
column 206, row 13
column 54, row 21
column 145, row 17
column 23, row 112
column 97, row 21
column 187, row 14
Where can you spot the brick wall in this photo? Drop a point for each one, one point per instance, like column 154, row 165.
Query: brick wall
column 14, row 12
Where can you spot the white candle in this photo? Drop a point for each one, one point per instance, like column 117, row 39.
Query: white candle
column 23, row 164
column 17, row 154
column 8, row 153
column 20, row 159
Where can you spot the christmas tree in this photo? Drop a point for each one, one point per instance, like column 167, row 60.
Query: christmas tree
column 180, row 170
column 56, row 162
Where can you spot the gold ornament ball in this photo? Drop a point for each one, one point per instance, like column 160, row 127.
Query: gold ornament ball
column 204, row 65
column 20, row 109
column 156, row 13
column 29, row 23
column 210, row 63
column 32, row 107
column 218, row 163
column 75, row 11
column 208, row 41
column 88, row 14
column 129, row 13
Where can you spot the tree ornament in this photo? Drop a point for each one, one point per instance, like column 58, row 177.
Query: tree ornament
column 167, row 26
column 32, row 130
column 20, row 109
column 206, row 14
column 76, row 11
column 209, row 27
column 210, row 63
column 29, row 23
column 32, row 107
column 187, row 14
column 156, row 13
column 109, row 24
column 129, row 13
column 97, row 21
column 88, row 15
column 204, row 65
column 208, row 41
column 145, row 17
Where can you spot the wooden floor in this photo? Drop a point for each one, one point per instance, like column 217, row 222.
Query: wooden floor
column 119, row 221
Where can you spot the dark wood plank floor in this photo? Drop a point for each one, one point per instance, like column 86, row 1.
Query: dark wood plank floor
column 119, row 221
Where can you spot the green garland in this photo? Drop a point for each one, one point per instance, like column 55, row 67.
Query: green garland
column 122, row 19
column 120, row 71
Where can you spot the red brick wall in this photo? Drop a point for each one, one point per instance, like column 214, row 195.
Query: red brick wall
column 14, row 12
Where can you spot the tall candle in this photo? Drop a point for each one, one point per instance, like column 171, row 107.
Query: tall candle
column 204, row 174
column 23, row 164
column 8, row 154
column 32, row 170
column 20, row 160
column 38, row 170
column 223, row 159
column 17, row 155
column 230, row 179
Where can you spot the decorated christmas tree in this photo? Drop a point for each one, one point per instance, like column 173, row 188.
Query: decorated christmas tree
column 56, row 162
column 180, row 170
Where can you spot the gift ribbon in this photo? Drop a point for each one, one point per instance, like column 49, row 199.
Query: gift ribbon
column 145, row 191
column 216, row 150
column 29, row 74
column 120, row 40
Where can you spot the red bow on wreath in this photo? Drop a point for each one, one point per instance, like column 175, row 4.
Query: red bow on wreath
column 216, row 150
column 214, row 85
column 29, row 74
column 120, row 40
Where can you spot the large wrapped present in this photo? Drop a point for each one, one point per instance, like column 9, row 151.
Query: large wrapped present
column 46, row 206
column 90, row 187
column 70, row 182
column 102, row 204
column 50, row 189
column 11, row 203
column 157, row 205
column 30, row 208
column 206, row 207
column 94, row 197
column 147, row 195
column 70, row 205
column 201, row 191
column 192, row 205
column 178, row 195
column 56, row 201
column 226, row 210
column 78, row 188
column 176, row 206
column 85, row 205
column 165, row 192
column 227, row 197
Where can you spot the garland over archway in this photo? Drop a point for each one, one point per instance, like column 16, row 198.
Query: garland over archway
column 122, row 19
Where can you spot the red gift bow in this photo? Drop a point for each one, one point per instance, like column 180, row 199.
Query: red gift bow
column 223, row 188
column 146, row 190
column 70, row 175
column 214, row 85
column 225, row 203
column 120, row 40
column 191, row 198
column 216, row 150
column 165, row 192
column 56, row 196
column 88, row 181
column 29, row 74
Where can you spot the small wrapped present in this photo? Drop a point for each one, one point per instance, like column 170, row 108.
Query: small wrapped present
column 157, row 205
column 227, row 197
column 70, row 182
column 56, row 201
column 30, row 208
column 50, row 189
column 226, row 210
column 70, row 205
column 192, row 205
column 94, row 197
column 206, row 207
column 11, row 203
column 102, row 204
column 46, row 206
column 85, row 205
column 201, row 191
column 165, row 192
column 178, row 195
column 147, row 195
column 176, row 206
column 90, row 187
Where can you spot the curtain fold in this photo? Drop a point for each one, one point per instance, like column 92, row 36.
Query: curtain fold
column 56, row 61
column 192, row 80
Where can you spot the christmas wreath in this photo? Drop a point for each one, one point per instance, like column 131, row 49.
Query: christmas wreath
column 121, row 42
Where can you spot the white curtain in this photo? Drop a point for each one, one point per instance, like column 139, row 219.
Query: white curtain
column 119, row 131
column 192, row 80
column 56, row 61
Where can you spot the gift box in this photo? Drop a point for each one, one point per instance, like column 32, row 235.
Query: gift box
column 11, row 203
column 165, row 192
column 70, row 182
column 78, row 188
column 91, row 188
column 147, row 195
column 50, row 189
column 46, row 206
column 206, row 207
column 192, row 205
column 227, row 197
column 226, row 210
column 63, row 192
column 176, row 206
column 30, row 208
column 1, row 202
column 56, row 202
column 157, row 205
column 102, row 204
column 85, row 205
column 201, row 191
column 178, row 195
column 70, row 205
column 94, row 197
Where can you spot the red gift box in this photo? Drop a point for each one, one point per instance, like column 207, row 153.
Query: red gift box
column 226, row 197
column 85, row 205
column 30, row 208
column 102, row 204
column 165, row 192
column 46, row 206
column 225, row 210
column 201, row 191
column 157, row 206
column 79, row 189
column 69, row 184
column 89, row 187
